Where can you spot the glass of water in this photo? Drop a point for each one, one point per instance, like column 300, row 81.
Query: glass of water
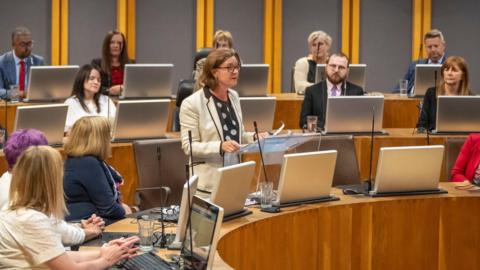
column 145, row 232
column 403, row 86
column 14, row 93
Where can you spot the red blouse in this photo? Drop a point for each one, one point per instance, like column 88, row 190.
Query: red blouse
column 468, row 159
column 116, row 74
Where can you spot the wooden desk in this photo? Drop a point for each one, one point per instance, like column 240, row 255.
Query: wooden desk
column 398, row 112
column 410, row 232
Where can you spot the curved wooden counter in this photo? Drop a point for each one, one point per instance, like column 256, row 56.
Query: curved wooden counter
column 409, row 232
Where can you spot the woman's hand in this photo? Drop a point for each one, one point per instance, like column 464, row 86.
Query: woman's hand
column 230, row 146
column 118, row 249
column 115, row 90
column 92, row 226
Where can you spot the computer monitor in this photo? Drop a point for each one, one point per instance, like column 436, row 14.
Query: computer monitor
column 232, row 186
column 306, row 178
column 50, row 119
column 141, row 119
column 183, row 213
column 202, row 234
column 148, row 81
column 253, row 80
column 259, row 109
column 458, row 114
column 356, row 74
column 408, row 169
column 354, row 114
column 425, row 78
column 50, row 83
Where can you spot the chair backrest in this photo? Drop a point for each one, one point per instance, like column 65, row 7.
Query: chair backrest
column 159, row 163
column 452, row 148
column 185, row 89
column 292, row 80
column 346, row 168
column 201, row 53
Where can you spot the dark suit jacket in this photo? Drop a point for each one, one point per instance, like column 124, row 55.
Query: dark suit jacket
column 410, row 75
column 428, row 114
column 88, row 187
column 8, row 74
column 315, row 101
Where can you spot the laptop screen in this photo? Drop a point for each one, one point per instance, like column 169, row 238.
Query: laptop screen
column 205, row 217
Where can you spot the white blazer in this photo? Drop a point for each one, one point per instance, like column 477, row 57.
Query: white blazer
column 199, row 115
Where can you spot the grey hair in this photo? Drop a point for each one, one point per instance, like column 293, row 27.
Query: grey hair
column 434, row 33
column 18, row 31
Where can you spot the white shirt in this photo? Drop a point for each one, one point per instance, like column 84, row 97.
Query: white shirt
column 5, row 189
column 75, row 110
column 28, row 239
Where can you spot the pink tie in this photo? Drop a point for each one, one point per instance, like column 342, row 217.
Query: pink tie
column 334, row 91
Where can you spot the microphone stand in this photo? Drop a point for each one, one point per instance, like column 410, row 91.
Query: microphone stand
column 370, row 180
column 187, row 170
column 260, row 149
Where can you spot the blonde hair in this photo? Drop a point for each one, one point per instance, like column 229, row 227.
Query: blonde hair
column 222, row 35
column 37, row 182
column 319, row 35
column 90, row 135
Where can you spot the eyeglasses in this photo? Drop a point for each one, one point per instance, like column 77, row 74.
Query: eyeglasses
column 26, row 44
column 231, row 69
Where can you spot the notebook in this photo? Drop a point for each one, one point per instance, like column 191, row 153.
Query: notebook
column 50, row 119
column 148, row 81
column 141, row 119
column 408, row 170
column 458, row 114
column 306, row 178
column 354, row 114
column 231, row 189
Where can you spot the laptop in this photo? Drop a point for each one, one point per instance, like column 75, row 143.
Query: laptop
column 356, row 74
column 183, row 213
column 354, row 114
column 253, row 80
column 458, row 114
column 306, row 178
column 148, row 81
column 50, row 119
column 50, row 83
column 425, row 78
column 408, row 170
column 260, row 109
column 232, row 188
column 141, row 119
column 202, row 234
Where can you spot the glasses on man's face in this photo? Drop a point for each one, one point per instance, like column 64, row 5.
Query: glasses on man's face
column 26, row 44
column 231, row 69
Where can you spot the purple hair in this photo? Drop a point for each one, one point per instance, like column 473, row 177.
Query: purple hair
column 19, row 141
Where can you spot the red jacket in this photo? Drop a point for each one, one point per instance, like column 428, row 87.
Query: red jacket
column 467, row 160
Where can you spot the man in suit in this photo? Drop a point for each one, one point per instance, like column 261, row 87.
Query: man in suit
column 15, row 64
column 435, row 46
column 315, row 102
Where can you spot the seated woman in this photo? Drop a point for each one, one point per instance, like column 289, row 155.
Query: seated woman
column 86, row 98
column 221, row 40
column 18, row 142
column 467, row 166
column 91, row 185
column 455, row 82
column 29, row 238
column 112, row 63
column 214, row 117
column 319, row 44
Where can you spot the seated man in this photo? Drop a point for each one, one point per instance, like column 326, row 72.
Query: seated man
column 315, row 102
column 434, row 44
column 15, row 64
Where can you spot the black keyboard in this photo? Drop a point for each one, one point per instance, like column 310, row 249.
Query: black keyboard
column 146, row 261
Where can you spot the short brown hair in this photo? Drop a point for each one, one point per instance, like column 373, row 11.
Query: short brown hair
column 90, row 135
column 215, row 59
column 222, row 35
column 37, row 182
column 339, row 54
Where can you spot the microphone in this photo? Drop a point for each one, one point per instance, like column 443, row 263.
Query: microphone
column 260, row 149
column 372, row 136
column 187, row 170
